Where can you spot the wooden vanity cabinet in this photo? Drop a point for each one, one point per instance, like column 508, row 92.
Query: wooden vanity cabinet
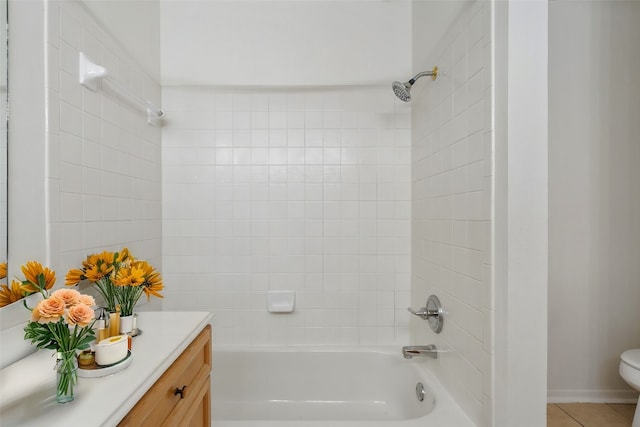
column 182, row 395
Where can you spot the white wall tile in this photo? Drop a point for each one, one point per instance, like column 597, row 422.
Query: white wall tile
column 449, row 196
column 101, row 193
column 294, row 200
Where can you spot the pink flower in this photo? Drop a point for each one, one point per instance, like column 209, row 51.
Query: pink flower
column 80, row 314
column 48, row 310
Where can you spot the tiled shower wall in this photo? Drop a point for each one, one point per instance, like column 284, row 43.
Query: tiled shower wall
column 104, row 159
column 300, row 189
column 451, row 199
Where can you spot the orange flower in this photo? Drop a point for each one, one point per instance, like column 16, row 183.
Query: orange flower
column 80, row 315
column 87, row 300
column 73, row 277
column 92, row 259
column 154, row 289
column 48, row 310
column 95, row 267
column 98, row 271
column 3, row 270
column 124, row 255
column 63, row 319
column 106, row 257
column 10, row 294
column 153, row 281
column 130, row 276
column 70, row 297
column 34, row 273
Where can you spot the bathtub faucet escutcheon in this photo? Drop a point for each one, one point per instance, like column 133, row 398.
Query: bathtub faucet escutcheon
column 432, row 312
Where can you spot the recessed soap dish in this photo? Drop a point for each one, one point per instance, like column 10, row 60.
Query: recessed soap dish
column 280, row 301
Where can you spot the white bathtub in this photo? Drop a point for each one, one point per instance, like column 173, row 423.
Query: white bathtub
column 311, row 386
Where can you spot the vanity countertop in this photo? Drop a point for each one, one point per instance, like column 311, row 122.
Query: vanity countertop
column 28, row 387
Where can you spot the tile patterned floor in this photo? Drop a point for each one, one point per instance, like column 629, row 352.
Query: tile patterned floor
column 589, row 415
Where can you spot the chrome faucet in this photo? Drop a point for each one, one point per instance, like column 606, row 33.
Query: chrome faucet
column 420, row 350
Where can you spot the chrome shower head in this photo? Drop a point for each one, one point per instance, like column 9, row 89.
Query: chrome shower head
column 403, row 90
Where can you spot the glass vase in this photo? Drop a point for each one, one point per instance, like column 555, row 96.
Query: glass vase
column 67, row 376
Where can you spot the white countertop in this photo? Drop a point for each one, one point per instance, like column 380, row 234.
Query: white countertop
column 28, row 387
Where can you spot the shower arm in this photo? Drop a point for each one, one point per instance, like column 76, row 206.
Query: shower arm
column 433, row 73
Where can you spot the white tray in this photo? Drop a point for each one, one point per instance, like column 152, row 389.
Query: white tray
column 95, row 371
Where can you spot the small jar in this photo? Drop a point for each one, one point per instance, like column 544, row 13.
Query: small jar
column 86, row 358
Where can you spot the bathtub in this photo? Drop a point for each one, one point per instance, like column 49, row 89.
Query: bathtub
column 340, row 387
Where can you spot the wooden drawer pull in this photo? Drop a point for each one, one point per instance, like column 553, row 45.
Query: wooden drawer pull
column 180, row 391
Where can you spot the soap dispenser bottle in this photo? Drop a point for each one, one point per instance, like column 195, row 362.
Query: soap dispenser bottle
column 101, row 325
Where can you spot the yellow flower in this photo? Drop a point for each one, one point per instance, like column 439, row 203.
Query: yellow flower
column 123, row 256
column 34, row 272
column 10, row 294
column 130, row 276
column 98, row 271
column 154, row 289
column 3, row 270
column 91, row 260
column 105, row 257
column 96, row 266
column 73, row 277
column 153, row 281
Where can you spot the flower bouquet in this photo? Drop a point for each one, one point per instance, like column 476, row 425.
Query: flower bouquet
column 100, row 269
column 62, row 321
column 132, row 281
column 120, row 278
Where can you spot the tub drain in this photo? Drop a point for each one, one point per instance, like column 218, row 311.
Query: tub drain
column 420, row 392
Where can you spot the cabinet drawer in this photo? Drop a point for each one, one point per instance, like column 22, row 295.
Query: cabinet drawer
column 184, row 374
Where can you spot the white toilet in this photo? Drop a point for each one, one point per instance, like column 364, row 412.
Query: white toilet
column 630, row 372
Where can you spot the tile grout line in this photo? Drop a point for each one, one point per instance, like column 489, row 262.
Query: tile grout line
column 571, row 416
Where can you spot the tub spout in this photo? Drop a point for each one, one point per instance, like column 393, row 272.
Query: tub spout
column 420, row 350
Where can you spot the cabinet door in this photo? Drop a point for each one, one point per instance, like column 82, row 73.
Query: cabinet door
column 195, row 409
column 177, row 388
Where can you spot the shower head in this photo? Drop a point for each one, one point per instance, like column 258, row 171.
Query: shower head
column 403, row 90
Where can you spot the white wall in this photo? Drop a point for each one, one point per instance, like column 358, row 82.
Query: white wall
column 285, row 42
column 302, row 189
column 104, row 159
column 594, row 230
column 85, row 168
column 134, row 25
column 451, row 204
column 520, row 206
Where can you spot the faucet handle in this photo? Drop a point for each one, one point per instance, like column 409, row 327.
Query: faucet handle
column 432, row 312
column 423, row 314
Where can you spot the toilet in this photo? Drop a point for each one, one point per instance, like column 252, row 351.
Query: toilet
column 630, row 372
